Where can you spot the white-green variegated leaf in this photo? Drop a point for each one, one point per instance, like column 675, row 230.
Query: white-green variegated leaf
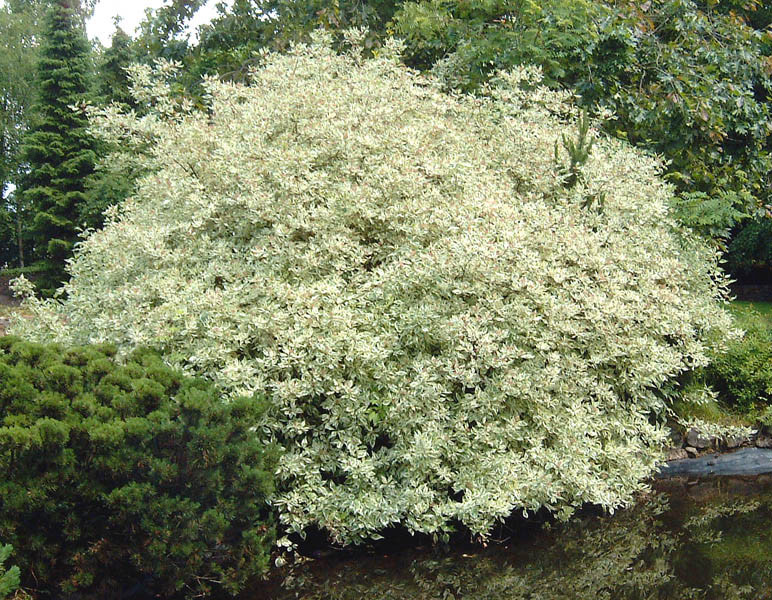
column 446, row 334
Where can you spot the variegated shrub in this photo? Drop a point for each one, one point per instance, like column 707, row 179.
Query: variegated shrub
column 448, row 331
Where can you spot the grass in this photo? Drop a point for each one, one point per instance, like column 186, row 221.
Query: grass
column 712, row 412
column 744, row 309
column 750, row 316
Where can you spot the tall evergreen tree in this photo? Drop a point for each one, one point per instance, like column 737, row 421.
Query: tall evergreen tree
column 114, row 84
column 107, row 185
column 58, row 151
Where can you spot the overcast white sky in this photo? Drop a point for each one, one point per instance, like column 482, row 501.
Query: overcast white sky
column 131, row 13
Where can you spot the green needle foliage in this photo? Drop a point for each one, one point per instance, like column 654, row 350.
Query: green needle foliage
column 109, row 186
column 118, row 474
column 9, row 576
column 58, row 151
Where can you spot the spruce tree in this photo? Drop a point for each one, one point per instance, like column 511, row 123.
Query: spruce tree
column 114, row 84
column 107, row 186
column 58, row 151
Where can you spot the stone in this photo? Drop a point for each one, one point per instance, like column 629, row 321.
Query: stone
column 691, row 452
column 744, row 462
column 676, row 454
column 695, row 439
column 676, row 438
column 735, row 441
column 764, row 441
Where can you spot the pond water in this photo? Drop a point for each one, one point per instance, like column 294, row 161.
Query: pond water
column 685, row 540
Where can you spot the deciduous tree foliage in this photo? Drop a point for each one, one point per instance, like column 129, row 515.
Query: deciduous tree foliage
column 680, row 78
column 19, row 29
column 447, row 329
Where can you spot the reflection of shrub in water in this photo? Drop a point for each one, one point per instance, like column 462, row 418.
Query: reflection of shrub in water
column 624, row 557
column 636, row 554
column 734, row 538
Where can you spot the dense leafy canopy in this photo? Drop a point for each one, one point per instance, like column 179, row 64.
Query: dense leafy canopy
column 449, row 325
column 18, row 56
column 679, row 79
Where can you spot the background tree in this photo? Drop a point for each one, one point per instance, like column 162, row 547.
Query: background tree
column 679, row 78
column 19, row 29
column 108, row 186
column 229, row 43
column 160, row 32
column 113, row 83
column 58, row 151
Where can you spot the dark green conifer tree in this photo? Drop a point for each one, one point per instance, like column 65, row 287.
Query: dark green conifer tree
column 58, row 151
column 114, row 84
column 106, row 186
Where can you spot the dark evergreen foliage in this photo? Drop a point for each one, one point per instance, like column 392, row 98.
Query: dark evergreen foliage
column 58, row 151
column 9, row 576
column 106, row 187
column 750, row 252
column 113, row 84
column 116, row 475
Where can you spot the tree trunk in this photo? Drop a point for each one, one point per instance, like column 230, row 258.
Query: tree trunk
column 18, row 237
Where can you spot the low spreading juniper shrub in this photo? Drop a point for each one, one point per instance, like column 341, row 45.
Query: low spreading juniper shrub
column 117, row 473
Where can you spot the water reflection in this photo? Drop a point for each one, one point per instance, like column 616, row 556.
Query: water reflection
column 712, row 540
